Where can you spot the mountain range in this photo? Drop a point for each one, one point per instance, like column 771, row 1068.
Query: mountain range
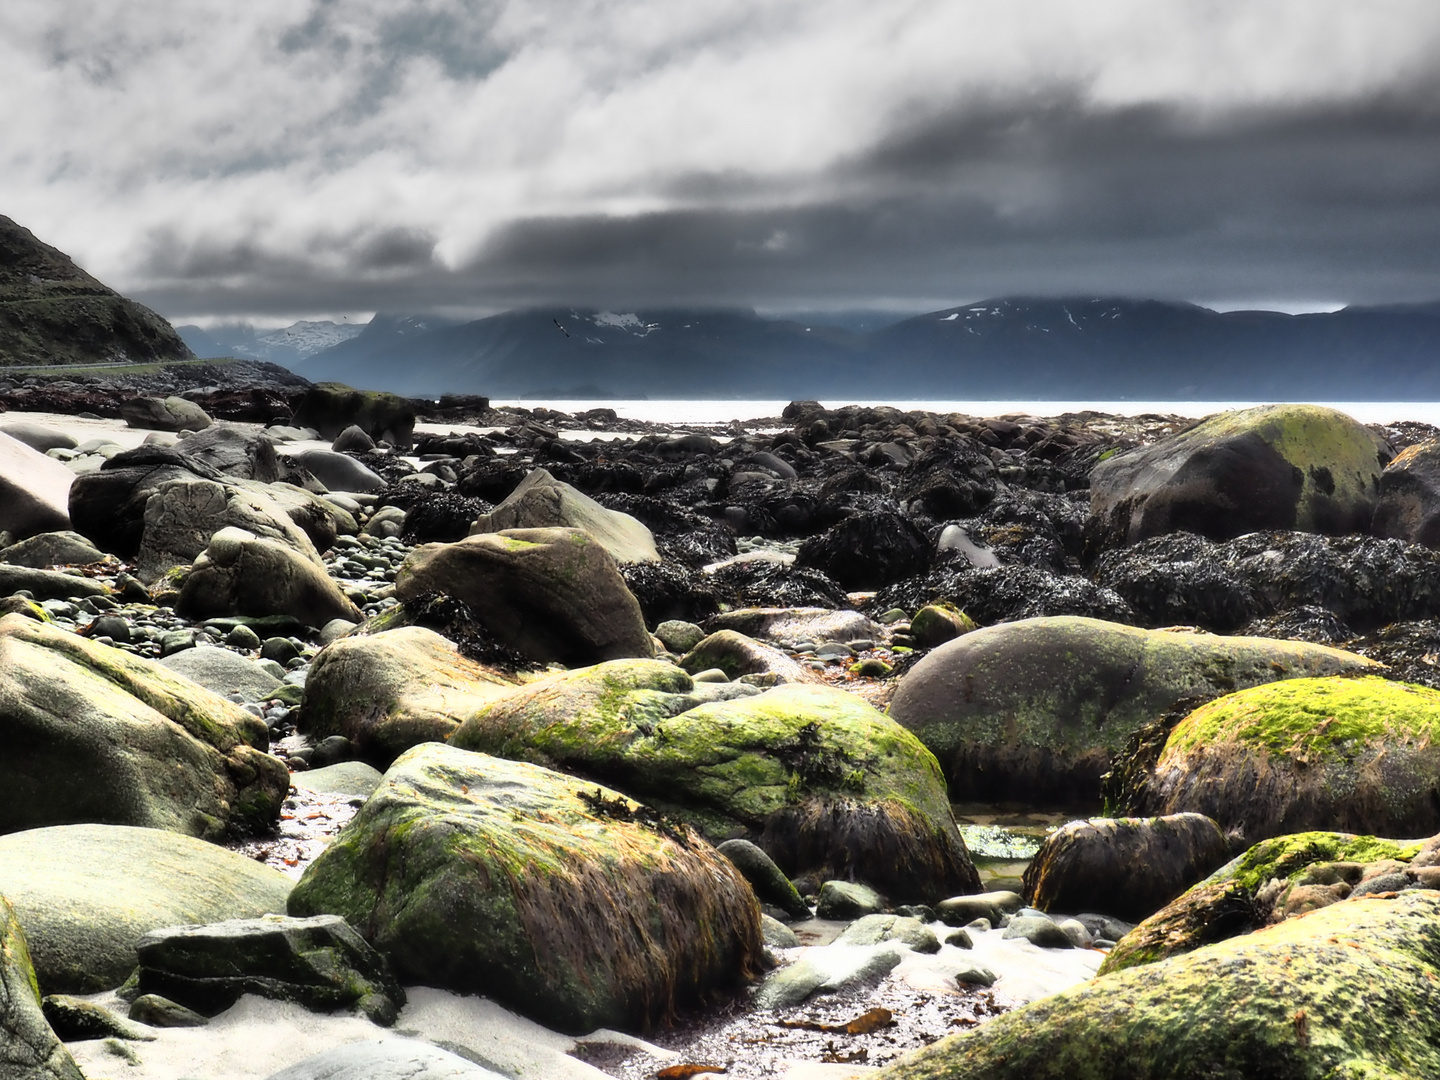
column 1044, row 349
column 288, row 345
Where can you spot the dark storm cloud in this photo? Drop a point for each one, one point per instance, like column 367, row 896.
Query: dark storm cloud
column 280, row 159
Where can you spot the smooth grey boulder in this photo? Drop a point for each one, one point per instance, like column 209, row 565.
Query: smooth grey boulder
column 29, row 1048
column 340, row 472
column 353, row 440
column 164, row 414
column 737, row 655
column 847, row 900
column 768, row 880
column 827, row 971
column 879, row 928
column 65, row 548
column 47, row 584
column 991, row 906
column 796, row 624
column 41, row 437
column 1409, row 504
column 108, row 506
column 679, row 636
column 85, row 894
column 388, row 1059
column 223, row 672
column 551, row 594
column 34, row 490
column 353, row 778
column 542, row 502
column 237, row 452
column 1039, row 931
column 318, row 962
column 242, row 574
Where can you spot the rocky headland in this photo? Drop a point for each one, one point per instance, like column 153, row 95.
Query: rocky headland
column 352, row 735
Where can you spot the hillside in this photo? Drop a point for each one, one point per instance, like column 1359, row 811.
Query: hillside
column 1006, row 348
column 52, row 312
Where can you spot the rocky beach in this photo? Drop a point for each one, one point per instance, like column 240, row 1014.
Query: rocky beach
column 352, row 735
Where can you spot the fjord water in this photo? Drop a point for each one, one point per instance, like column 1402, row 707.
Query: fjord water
column 720, row 411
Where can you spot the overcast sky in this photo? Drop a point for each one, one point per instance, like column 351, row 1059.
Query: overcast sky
column 278, row 159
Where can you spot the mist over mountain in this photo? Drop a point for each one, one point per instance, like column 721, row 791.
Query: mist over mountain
column 286, row 345
column 1091, row 348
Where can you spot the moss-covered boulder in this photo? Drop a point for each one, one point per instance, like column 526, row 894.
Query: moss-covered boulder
column 86, row 893
column 1035, row 710
column 1356, row 755
column 331, row 407
column 1125, row 867
column 819, row 779
column 95, row 734
column 559, row 899
column 542, row 502
column 551, row 594
column 1247, row 893
column 1300, row 467
column 389, row 691
column 1349, row 991
column 29, row 1049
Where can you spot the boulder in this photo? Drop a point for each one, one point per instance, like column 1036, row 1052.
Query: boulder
column 1345, row 991
column 819, row 779
column 559, row 899
column 86, row 893
column 828, row 972
column 330, row 408
column 542, row 502
column 1299, row 467
column 64, row 548
column 236, row 452
column 29, row 1049
column 390, row 691
column 34, row 490
column 1125, row 867
column 768, row 880
column 108, row 507
column 96, row 734
column 240, row 573
column 48, row 584
column 41, row 437
column 1005, row 594
column 877, row 929
column 867, row 550
column 737, row 656
column 182, row 516
column 935, row 624
column 788, row 625
column 353, row 440
column 1354, row 754
column 164, row 414
column 1409, row 503
column 317, row 516
column 1035, row 710
column 340, row 472
column 223, row 672
column 319, row 962
column 551, row 594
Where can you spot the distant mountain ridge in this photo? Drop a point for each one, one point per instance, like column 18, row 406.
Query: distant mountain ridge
column 52, row 312
column 287, row 345
column 1083, row 348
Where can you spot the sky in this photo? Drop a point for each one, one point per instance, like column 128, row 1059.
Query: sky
column 272, row 160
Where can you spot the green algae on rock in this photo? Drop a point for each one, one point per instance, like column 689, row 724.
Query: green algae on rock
column 95, row 734
column 1229, row 902
column 558, row 898
column 386, row 692
column 1302, row 467
column 819, row 779
column 1352, row 990
column 1035, row 710
column 29, row 1049
column 1357, row 755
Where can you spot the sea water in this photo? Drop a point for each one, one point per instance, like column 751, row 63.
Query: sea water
column 722, row 411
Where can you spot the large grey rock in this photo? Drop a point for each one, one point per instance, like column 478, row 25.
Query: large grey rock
column 164, row 414
column 34, row 490
column 796, row 624
column 389, row 691
column 182, row 516
column 86, row 893
column 64, row 548
column 237, row 452
column 737, row 655
column 330, row 408
column 545, row 892
column 877, row 929
column 1300, row 467
column 827, row 971
column 242, row 574
column 1041, row 706
column 223, row 672
column 353, row 778
column 29, row 1049
column 96, row 734
column 388, row 1059
column 542, row 502
column 1125, row 867
column 108, row 506
column 319, row 962
column 340, row 472
column 552, row 594
column 321, row 519
column 37, row 436
column 47, row 584
column 1409, row 503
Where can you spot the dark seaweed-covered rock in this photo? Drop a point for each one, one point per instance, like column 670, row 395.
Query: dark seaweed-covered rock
column 1179, row 580
column 950, row 481
column 671, row 590
column 442, row 517
column 1409, row 506
column 1409, row 650
column 867, row 551
column 1004, row 594
column 1306, row 623
column 773, row 584
column 680, row 534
